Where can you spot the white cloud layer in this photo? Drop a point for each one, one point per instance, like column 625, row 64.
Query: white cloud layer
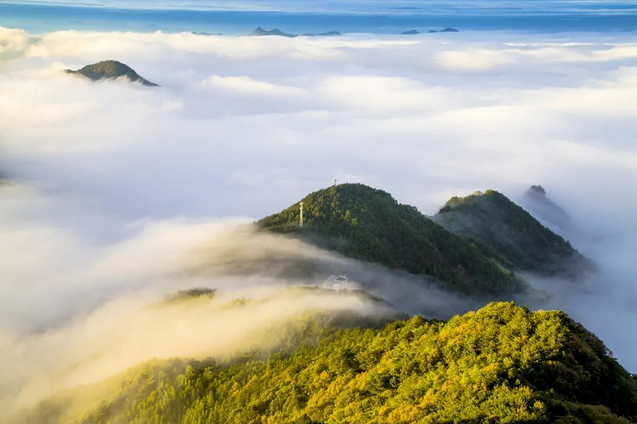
column 114, row 184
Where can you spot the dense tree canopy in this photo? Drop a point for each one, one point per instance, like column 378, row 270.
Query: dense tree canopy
column 368, row 224
column 508, row 233
column 110, row 69
column 501, row 364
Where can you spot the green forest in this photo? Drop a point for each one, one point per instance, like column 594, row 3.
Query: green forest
column 500, row 364
column 508, row 233
column 369, row 224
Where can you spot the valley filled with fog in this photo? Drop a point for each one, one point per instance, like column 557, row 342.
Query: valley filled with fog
column 114, row 195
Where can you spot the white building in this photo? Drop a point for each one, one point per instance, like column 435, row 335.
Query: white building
column 336, row 282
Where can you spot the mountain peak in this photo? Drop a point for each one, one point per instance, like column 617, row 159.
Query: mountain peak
column 111, row 69
column 258, row 31
column 510, row 234
column 368, row 224
column 538, row 189
column 457, row 201
column 546, row 209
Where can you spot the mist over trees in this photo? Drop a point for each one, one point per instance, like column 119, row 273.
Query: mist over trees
column 500, row 364
column 368, row 224
column 136, row 287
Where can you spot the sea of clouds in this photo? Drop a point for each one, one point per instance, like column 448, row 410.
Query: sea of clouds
column 111, row 189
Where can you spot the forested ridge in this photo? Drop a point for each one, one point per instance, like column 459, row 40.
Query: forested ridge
column 500, row 364
column 368, row 224
column 508, row 233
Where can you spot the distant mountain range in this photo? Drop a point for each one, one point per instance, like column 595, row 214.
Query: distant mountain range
column 431, row 31
column 322, row 34
column 277, row 32
column 111, row 69
column 474, row 245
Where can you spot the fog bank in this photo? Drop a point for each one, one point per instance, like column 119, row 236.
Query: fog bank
column 117, row 194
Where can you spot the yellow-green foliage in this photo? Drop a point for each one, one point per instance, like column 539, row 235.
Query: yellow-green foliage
column 501, row 364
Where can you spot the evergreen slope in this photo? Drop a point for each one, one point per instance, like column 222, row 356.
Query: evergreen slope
column 111, row 69
column 511, row 235
column 501, row 364
column 368, row 224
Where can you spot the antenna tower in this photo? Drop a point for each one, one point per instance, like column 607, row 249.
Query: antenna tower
column 301, row 218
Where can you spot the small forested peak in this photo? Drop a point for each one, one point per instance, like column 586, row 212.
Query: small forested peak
column 369, row 224
column 342, row 202
column 490, row 195
column 507, row 232
column 111, row 69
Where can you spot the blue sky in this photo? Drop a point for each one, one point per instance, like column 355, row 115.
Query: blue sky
column 350, row 16
column 365, row 6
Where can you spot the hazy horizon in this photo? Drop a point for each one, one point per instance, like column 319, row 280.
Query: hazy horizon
column 236, row 18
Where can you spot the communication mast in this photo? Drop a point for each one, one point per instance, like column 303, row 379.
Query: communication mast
column 301, row 219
